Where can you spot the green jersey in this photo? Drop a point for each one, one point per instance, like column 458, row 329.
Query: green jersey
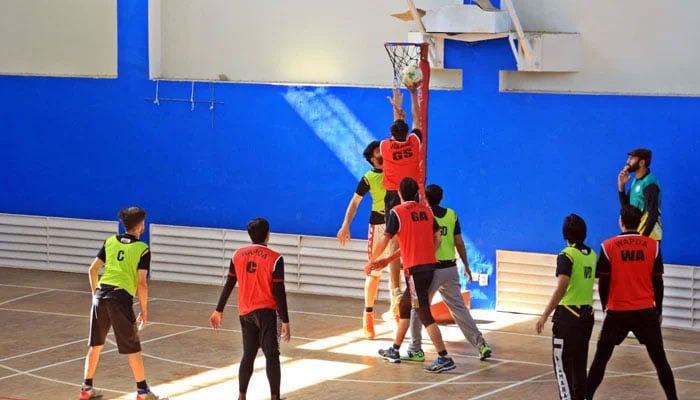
column 638, row 200
column 122, row 255
column 372, row 182
column 446, row 251
column 581, row 266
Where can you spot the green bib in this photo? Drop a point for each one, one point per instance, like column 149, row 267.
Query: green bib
column 637, row 200
column 580, row 289
column 121, row 262
column 446, row 251
column 376, row 189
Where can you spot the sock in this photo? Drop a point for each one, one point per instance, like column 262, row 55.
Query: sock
column 87, row 383
column 442, row 353
column 142, row 387
column 369, row 309
column 396, row 346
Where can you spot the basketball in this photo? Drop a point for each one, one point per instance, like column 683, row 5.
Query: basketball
column 411, row 76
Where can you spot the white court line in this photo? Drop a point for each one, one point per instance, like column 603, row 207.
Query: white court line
column 112, row 342
column 481, row 396
column 436, row 384
column 25, row 296
column 103, row 352
column 58, row 381
column 42, row 350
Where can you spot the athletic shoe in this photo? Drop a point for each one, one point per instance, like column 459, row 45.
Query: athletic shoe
column 149, row 396
column 390, row 354
column 368, row 324
column 417, row 355
column 441, row 364
column 484, row 351
column 89, row 393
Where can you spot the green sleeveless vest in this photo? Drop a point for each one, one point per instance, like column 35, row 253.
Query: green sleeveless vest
column 446, row 251
column 376, row 189
column 121, row 263
column 580, row 289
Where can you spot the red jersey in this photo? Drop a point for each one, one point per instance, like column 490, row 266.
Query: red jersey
column 254, row 266
column 415, row 225
column 632, row 262
column 401, row 160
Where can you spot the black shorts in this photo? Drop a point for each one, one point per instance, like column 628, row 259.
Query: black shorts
column 418, row 280
column 643, row 323
column 114, row 308
column 391, row 200
column 259, row 330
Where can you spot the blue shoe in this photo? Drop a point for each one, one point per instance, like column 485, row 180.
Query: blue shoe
column 441, row 364
column 390, row 354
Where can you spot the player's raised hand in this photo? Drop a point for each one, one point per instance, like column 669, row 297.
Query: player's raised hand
column 343, row 235
column 623, row 177
column 215, row 320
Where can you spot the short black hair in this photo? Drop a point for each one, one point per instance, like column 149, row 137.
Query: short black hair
column 258, row 228
column 630, row 216
column 399, row 129
column 642, row 154
column 131, row 217
column 369, row 151
column 433, row 193
column 408, row 189
column 574, row 229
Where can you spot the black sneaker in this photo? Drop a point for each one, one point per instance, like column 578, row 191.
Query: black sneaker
column 441, row 364
column 390, row 354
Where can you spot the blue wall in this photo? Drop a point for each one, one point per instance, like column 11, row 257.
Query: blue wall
column 513, row 165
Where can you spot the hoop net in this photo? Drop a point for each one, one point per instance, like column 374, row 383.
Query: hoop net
column 402, row 54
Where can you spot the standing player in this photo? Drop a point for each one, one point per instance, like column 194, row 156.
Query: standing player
column 261, row 295
column 644, row 193
column 446, row 279
column 631, row 287
column 572, row 303
column 419, row 237
column 371, row 182
column 126, row 262
column 401, row 154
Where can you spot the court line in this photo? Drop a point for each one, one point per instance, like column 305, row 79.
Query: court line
column 19, row 372
column 481, row 396
column 25, row 296
column 42, row 350
column 112, row 342
column 83, row 357
column 436, row 384
column 199, row 327
column 501, row 332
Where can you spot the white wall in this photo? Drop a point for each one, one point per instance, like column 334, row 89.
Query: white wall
column 628, row 46
column 58, row 38
column 304, row 41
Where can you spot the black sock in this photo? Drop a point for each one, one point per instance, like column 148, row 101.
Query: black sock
column 396, row 346
column 442, row 353
column 142, row 386
column 87, row 382
column 369, row 309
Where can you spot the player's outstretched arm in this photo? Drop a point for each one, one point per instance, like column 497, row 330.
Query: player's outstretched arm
column 344, row 231
column 415, row 110
column 397, row 104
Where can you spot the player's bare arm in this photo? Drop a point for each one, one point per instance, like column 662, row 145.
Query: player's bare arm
column 92, row 271
column 142, row 292
column 344, row 231
column 562, row 283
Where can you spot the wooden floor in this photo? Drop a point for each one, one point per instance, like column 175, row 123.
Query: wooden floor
column 45, row 323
